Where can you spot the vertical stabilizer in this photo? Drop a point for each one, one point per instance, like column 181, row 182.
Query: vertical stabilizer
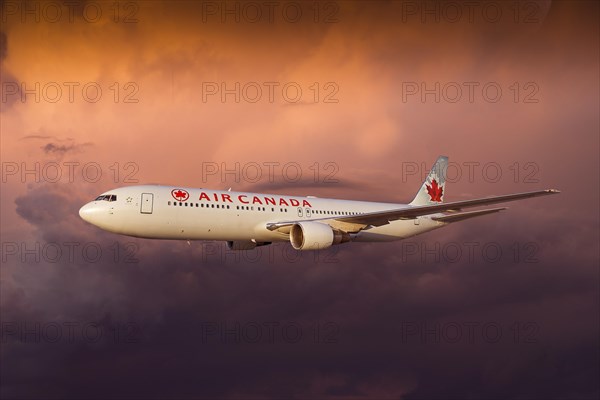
column 433, row 189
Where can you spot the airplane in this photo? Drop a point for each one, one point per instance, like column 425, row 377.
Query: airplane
column 247, row 220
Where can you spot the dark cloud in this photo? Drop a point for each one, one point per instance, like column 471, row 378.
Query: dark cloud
column 38, row 137
column 377, row 320
column 58, row 146
column 62, row 149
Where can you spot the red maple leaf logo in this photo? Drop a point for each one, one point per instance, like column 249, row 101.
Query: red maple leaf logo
column 434, row 191
column 180, row 194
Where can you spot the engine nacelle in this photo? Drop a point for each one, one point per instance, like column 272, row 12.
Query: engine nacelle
column 244, row 245
column 315, row 236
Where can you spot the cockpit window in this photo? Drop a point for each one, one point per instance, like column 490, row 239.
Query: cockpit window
column 107, row 197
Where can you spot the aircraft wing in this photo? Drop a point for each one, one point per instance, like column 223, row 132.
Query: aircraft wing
column 355, row 223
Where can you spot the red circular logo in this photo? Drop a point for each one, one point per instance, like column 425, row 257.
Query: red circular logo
column 180, row 194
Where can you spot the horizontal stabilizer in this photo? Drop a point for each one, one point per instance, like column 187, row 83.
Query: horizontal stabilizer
column 466, row 215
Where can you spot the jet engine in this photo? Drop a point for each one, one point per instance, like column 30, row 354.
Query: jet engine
column 315, row 236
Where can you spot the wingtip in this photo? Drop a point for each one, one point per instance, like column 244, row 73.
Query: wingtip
column 553, row 191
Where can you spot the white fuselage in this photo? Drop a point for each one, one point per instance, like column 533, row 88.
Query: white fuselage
column 153, row 211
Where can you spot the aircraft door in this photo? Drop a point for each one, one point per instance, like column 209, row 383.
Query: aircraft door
column 307, row 212
column 147, row 203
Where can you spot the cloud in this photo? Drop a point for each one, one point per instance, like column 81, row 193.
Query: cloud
column 52, row 148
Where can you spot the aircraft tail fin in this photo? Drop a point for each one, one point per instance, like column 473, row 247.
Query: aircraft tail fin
column 433, row 189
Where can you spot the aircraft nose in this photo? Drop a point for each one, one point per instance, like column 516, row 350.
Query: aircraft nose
column 89, row 213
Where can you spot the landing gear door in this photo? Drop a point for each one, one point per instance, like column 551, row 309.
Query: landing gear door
column 147, row 200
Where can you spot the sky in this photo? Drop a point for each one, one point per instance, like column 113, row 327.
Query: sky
column 348, row 100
